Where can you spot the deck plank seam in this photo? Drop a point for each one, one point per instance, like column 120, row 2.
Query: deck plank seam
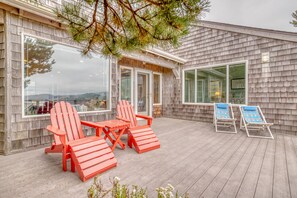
column 201, row 146
column 243, row 154
column 247, row 168
column 261, row 168
column 156, row 163
column 213, row 163
column 287, row 168
column 204, row 148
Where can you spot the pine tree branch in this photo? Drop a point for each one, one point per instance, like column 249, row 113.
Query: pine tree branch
column 117, row 25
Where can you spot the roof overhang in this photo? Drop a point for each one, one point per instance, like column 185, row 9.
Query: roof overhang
column 158, row 57
column 34, row 8
column 166, row 55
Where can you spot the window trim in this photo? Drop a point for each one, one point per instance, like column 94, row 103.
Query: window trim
column 132, row 82
column 65, row 44
column 161, row 88
column 211, row 66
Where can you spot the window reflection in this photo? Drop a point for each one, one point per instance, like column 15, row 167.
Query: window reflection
column 54, row 72
column 237, row 84
column 211, row 84
column 190, row 86
column 126, row 84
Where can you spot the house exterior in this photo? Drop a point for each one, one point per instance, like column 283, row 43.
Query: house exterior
column 244, row 65
column 39, row 65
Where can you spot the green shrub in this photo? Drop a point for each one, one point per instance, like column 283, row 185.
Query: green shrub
column 117, row 190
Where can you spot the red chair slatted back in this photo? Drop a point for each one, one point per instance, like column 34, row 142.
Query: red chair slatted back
column 65, row 118
column 125, row 110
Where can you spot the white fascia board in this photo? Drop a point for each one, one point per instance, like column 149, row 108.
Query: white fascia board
column 149, row 58
column 166, row 55
column 29, row 7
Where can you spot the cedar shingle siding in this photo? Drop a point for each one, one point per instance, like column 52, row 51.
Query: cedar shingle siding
column 2, row 77
column 272, row 85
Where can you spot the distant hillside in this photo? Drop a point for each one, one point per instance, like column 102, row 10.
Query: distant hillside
column 86, row 96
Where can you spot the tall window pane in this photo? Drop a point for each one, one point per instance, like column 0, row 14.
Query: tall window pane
column 157, row 88
column 126, row 84
column 189, row 88
column 211, row 84
column 237, row 84
column 54, row 72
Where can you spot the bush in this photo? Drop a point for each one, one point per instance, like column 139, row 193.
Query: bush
column 117, row 190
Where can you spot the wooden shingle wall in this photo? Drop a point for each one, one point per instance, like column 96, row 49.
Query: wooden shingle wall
column 272, row 86
column 29, row 132
column 2, row 77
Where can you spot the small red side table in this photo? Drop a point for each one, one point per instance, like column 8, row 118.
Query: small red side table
column 117, row 129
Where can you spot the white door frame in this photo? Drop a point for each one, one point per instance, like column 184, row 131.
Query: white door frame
column 150, row 100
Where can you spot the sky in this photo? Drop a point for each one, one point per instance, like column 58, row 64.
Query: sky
column 269, row 14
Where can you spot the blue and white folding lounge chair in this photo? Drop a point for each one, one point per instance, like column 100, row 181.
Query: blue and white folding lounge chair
column 252, row 118
column 224, row 118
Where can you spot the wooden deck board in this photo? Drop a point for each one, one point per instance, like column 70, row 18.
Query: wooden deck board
column 192, row 157
column 281, row 187
column 203, row 182
column 215, row 187
column 175, row 174
column 249, row 184
column 265, row 181
column 291, row 165
column 193, row 175
column 230, row 189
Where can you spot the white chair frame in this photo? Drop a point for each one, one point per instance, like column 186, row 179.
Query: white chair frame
column 225, row 123
column 255, row 126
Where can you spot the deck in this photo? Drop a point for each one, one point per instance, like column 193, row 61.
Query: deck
column 192, row 158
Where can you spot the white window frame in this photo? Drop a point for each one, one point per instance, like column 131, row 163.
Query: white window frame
column 227, row 84
column 65, row 44
column 161, row 88
column 132, row 82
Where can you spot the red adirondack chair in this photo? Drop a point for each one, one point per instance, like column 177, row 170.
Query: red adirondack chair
column 89, row 155
column 141, row 137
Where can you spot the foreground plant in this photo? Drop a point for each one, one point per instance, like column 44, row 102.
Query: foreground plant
column 168, row 192
column 117, row 190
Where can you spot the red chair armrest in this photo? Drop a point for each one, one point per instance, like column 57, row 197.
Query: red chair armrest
column 123, row 119
column 58, row 132
column 91, row 124
column 144, row 117
column 55, row 130
column 98, row 127
column 148, row 118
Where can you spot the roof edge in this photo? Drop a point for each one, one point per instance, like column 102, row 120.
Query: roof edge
column 268, row 33
column 166, row 55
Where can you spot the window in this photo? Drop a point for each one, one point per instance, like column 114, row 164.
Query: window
column 211, row 84
column 237, row 84
column 157, row 88
column 190, row 86
column 215, row 84
column 126, row 84
column 55, row 72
